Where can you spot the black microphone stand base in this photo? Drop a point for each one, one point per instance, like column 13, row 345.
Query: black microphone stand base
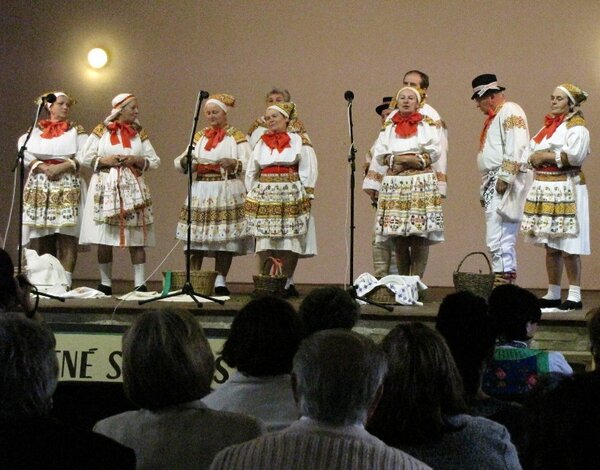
column 355, row 296
column 187, row 289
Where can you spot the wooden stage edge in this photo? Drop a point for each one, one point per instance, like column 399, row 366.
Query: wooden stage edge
column 564, row 332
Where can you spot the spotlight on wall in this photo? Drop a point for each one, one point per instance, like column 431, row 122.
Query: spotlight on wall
column 97, row 58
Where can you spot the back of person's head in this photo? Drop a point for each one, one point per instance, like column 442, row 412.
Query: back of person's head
column 263, row 338
column 8, row 291
column 512, row 308
column 327, row 308
column 593, row 317
column 422, row 386
column 166, row 359
column 468, row 329
column 562, row 426
column 28, row 368
column 337, row 374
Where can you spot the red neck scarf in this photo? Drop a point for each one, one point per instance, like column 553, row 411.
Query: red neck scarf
column 551, row 123
column 491, row 115
column 277, row 141
column 406, row 126
column 214, row 137
column 53, row 128
column 127, row 132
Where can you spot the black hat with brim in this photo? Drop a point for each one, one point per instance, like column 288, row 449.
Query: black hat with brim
column 482, row 80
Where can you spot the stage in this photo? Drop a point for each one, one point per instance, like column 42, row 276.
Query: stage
column 565, row 332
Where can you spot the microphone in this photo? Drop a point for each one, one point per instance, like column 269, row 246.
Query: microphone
column 49, row 98
column 203, row 94
column 349, row 96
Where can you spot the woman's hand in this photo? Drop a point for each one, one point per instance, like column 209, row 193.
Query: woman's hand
column 133, row 161
column 228, row 164
column 111, row 160
column 501, row 186
column 540, row 159
column 373, row 194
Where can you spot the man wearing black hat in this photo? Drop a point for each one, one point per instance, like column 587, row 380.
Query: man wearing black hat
column 500, row 160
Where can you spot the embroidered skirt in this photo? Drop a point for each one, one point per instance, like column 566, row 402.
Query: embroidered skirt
column 52, row 206
column 277, row 212
column 556, row 213
column 410, row 205
column 217, row 213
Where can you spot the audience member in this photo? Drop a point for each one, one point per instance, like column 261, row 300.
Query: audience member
column 563, row 423
column 167, row 368
column 468, row 329
column 263, row 339
column 329, row 307
column 422, row 407
column 337, row 379
column 14, row 290
column 29, row 438
column 515, row 369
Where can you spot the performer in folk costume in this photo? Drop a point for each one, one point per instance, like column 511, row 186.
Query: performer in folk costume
column 376, row 172
column 259, row 127
column 409, row 202
column 556, row 210
column 280, row 179
column 220, row 155
column 118, row 209
column 382, row 252
column 500, row 159
column 54, row 191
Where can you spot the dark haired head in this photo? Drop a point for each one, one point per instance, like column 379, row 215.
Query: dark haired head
column 166, row 359
column 328, row 307
column 8, row 289
column 422, row 386
column 424, row 78
column 593, row 317
column 28, row 368
column 512, row 308
column 264, row 337
column 465, row 324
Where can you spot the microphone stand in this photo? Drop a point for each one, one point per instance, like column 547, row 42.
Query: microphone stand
column 20, row 164
column 187, row 288
column 352, row 160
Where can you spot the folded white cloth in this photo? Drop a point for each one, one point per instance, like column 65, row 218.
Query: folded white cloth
column 405, row 288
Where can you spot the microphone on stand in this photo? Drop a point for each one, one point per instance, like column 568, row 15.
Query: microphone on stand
column 349, row 96
column 49, row 98
column 203, row 94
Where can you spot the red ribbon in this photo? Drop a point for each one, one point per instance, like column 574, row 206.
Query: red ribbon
column 551, row 123
column 214, row 136
column 53, row 128
column 127, row 132
column 486, row 125
column 277, row 141
column 406, row 126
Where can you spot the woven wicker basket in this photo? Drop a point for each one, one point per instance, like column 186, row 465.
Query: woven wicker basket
column 267, row 284
column 382, row 295
column 478, row 283
column 203, row 282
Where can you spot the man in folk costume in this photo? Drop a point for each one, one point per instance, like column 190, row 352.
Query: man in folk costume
column 504, row 138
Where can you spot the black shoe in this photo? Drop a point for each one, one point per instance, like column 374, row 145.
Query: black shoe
column 106, row 290
column 221, row 290
column 142, row 288
column 549, row 303
column 569, row 305
column 290, row 292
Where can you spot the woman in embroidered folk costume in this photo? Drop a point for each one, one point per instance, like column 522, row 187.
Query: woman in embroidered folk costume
column 280, row 179
column 53, row 201
column 556, row 210
column 259, row 127
column 118, row 209
column 409, row 205
column 220, row 155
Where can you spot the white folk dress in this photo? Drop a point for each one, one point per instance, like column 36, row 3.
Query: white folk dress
column 557, row 206
column 218, row 222
column 259, row 127
column 409, row 203
column 280, row 191
column 53, row 206
column 118, row 210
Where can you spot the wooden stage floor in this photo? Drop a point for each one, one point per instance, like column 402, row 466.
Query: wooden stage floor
column 563, row 332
